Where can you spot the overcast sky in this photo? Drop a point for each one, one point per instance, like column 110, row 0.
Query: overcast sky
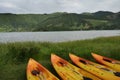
column 50, row 6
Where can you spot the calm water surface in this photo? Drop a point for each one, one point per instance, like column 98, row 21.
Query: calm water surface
column 55, row 36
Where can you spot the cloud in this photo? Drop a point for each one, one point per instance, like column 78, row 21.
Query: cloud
column 7, row 7
column 92, row 5
column 49, row 6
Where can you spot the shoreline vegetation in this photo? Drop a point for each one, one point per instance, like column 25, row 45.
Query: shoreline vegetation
column 14, row 56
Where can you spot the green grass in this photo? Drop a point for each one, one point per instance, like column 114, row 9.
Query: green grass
column 95, row 22
column 14, row 56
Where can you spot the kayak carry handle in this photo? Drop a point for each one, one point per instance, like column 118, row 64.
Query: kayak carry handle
column 35, row 72
column 61, row 63
column 117, row 74
column 107, row 60
column 105, row 69
column 86, row 78
column 83, row 61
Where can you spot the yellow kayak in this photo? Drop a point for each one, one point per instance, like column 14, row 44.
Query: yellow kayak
column 36, row 71
column 114, row 64
column 94, row 68
column 68, row 71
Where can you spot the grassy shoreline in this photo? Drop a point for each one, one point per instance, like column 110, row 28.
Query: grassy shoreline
column 14, row 56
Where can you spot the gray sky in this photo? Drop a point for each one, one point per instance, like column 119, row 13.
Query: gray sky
column 50, row 6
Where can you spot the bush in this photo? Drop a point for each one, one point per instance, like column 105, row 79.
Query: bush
column 21, row 53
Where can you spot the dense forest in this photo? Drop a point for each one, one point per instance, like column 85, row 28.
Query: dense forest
column 59, row 21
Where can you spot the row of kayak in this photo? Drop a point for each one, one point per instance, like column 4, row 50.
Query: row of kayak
column 85, row 70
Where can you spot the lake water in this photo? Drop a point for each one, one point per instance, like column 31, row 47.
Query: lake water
column 55, row 36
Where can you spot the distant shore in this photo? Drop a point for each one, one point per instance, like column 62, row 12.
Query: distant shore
column 60, row 21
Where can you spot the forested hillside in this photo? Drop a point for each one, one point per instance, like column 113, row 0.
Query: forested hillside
column 60, row 21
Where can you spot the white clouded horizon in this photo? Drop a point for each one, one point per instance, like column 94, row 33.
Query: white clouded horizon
column 50, row 6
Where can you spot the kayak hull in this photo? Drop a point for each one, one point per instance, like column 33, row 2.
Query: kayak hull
column 94, row 68
column 36, row 71
column 68, row 71
column 114, row 64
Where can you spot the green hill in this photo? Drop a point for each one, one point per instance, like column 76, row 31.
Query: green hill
column 60, row 21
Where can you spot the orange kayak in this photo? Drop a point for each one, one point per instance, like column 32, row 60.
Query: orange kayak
column 68, row 71
column 94, row 68
column 36, row 71
column 112, row 63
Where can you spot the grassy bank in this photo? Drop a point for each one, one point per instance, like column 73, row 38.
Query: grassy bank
column 14, row 56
